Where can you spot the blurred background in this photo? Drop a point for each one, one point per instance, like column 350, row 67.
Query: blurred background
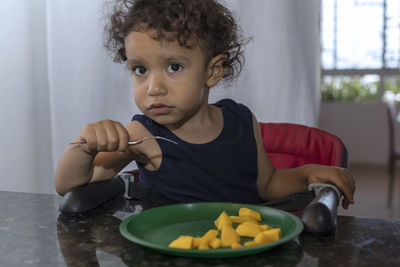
column 332, row 64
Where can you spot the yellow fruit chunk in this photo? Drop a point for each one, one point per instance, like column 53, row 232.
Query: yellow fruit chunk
column 238, row 219
column 250, row 244
column 229, row 236
column 204, row 245
column 264, row 227
column 268, row 236
column 196, row 242
column 236, row 245
column 215, row 243
column 243, row 212
column 210, row 235
column 223, row 219
column 184, row 242
column 248, row 229
column 273, row 234
column 261, row 238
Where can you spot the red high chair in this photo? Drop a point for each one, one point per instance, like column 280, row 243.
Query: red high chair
column 291, row 145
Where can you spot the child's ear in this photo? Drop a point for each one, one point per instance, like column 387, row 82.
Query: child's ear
column 216, row 69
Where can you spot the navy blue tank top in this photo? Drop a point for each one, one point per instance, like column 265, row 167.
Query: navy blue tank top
column 224, row 169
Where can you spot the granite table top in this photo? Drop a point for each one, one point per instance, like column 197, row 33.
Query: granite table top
column 34, row 233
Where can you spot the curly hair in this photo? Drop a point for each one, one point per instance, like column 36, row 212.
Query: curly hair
column 211, row 24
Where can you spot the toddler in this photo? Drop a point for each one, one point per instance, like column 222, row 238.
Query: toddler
column 177, row 51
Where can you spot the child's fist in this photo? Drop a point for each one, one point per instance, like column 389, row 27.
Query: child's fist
column 105, row 135
column 340, row 177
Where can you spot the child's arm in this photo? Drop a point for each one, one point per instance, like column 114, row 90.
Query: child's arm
column 274, row 184
column 104, row 154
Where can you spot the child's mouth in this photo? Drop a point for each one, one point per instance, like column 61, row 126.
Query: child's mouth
column 160, row 109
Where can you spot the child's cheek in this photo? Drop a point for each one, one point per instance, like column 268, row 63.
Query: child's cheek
column 139, row 100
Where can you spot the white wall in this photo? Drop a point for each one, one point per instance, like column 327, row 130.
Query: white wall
column 24, row 98
column 362, row 127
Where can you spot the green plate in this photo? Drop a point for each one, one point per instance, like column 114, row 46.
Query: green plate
column 156, row 228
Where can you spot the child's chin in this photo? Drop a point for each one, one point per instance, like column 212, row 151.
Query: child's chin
column 163, row 119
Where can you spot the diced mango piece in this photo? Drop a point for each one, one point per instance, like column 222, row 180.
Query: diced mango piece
column 264, row 227
column 210, row 235
column 268, row 236
column 196, row 242
column 184, row 242
column 229, row 236
column 261, row 238
column 248, row 229
column 223, row 219
column 236, row 245
column 273, row 234
column 238, row 219
column 250, row 244
column 249, row 213
column 204, row 245
column 215, row 243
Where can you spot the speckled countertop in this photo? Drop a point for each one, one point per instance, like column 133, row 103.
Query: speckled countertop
column 34, row 233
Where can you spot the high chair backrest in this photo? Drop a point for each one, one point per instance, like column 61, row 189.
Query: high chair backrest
column 291, row 145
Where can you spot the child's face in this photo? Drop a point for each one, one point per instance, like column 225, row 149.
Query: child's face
column 170, row 81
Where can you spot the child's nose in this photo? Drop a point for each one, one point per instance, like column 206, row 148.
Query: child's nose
column 156, row 86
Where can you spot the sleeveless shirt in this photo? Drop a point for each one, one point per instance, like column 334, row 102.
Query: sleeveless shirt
column 224, row 169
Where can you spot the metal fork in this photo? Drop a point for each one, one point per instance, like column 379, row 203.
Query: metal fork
column 137, row 141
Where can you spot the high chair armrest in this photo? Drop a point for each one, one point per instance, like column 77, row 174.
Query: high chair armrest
column 89, row 196
column 320, row 215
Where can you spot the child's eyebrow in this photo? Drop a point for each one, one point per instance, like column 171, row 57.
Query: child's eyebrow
column 166, row 58
column 174, row 58
column 131, row 62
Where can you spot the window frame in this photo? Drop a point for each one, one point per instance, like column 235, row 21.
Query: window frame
column 382, row 72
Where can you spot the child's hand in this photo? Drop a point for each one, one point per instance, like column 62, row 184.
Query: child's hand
column 340, row 177
column 106, row 135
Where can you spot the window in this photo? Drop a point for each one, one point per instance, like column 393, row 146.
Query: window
column 360, row 56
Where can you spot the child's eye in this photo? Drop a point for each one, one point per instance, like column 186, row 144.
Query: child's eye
column 174, row 67
column 139, row 70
